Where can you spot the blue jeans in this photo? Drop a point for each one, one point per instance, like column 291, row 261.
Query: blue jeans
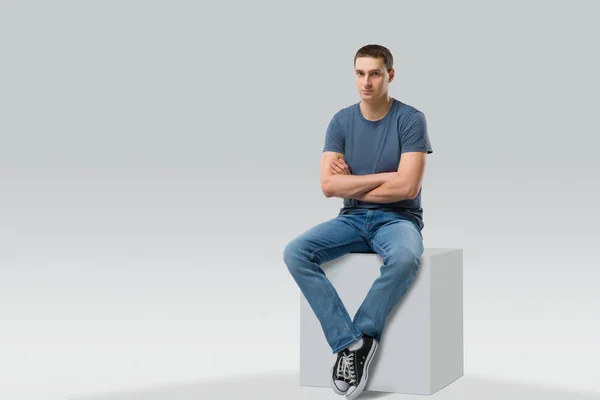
column 395, row 238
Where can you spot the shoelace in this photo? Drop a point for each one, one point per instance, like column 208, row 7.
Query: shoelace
column 345, row 368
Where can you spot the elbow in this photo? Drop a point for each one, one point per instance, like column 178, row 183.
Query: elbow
column 326, row 189
column 413, row 192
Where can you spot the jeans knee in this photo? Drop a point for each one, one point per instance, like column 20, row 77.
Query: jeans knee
column 290, row 254
column 405, row 261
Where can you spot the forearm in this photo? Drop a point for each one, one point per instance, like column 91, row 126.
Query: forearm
column 349, row 186
column 389, row 192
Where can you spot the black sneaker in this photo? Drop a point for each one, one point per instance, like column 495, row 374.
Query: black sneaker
column 358, row 366
column 340, row 373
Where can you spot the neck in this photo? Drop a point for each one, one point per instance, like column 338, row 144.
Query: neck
column 377, row 108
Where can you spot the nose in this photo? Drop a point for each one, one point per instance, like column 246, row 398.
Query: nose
column 366, row 82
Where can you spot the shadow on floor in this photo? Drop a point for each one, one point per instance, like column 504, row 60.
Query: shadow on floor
column 286, row 386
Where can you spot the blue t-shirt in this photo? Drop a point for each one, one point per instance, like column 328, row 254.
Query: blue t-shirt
column 371, row 147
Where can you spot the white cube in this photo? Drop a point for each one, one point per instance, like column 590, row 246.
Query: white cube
column 421, row 348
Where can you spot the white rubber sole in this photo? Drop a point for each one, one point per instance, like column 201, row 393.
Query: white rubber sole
column 361, row 385
column 335, row 388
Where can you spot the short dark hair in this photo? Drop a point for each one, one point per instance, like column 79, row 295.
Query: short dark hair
column 376, row 51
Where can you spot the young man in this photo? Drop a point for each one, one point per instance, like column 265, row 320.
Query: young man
column 373, row 158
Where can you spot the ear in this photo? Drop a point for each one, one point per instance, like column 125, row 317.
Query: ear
column 392, row 73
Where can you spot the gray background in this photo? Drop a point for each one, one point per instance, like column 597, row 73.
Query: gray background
column 156, row 157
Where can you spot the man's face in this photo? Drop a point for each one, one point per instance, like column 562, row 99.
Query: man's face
column 372, row 79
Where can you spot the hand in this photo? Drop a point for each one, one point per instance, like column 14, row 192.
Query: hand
column 339, row 167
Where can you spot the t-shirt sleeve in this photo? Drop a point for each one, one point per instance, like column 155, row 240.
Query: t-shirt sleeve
column 334, row 138
column 415, row 136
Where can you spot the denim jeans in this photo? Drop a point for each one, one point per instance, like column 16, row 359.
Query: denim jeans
column 394, row 237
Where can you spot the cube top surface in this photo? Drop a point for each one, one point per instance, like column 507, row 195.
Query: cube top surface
column 429, row 251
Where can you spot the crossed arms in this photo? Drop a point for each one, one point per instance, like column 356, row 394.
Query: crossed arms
column 385, row 187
